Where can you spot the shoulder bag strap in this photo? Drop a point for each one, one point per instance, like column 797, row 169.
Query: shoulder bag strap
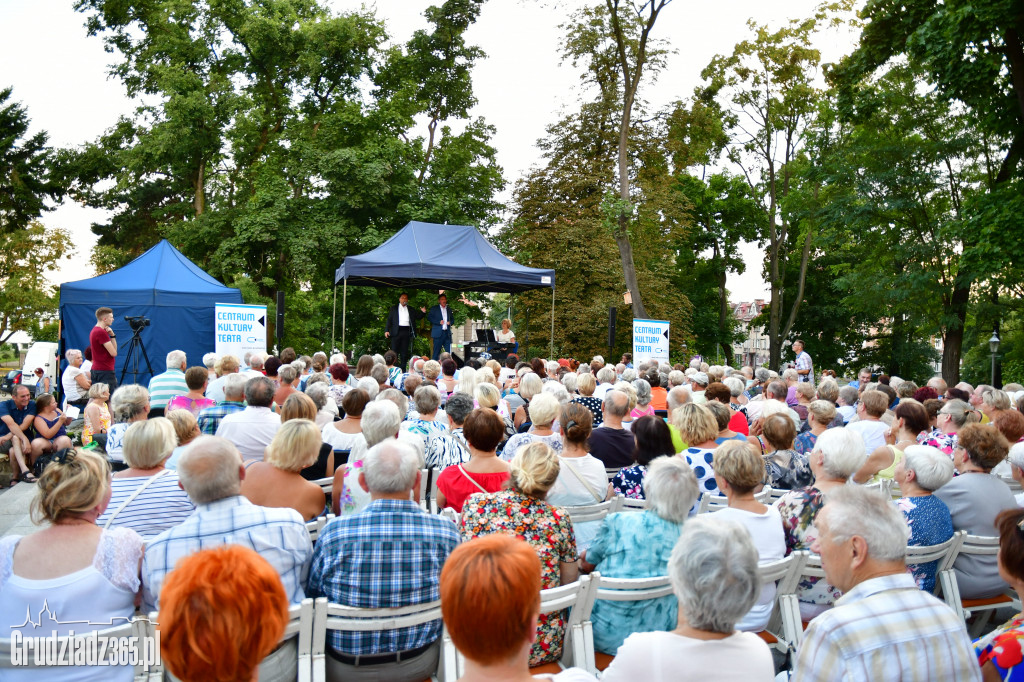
column 138, row 491
column 472, row 480
column 586, row 484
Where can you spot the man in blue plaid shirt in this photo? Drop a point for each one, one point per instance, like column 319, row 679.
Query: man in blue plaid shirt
column 234, row 401
column 388, row 555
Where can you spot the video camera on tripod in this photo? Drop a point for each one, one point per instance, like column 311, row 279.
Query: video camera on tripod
column 135, row 348
column 137, row 323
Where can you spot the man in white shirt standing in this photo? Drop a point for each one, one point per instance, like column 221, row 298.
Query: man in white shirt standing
column 804, row 366
column 252, row 429
column 399, row 327
column 441, row 322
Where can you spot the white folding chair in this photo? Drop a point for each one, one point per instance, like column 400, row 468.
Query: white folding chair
column 611, row 473
column 784, row 629
column 296, row 643
column 944, row 553
column 789, row 605
column 623, row 590
column 628, row 504
column 136, row 627
column 328, row 617
column 977, row 545
column 591, row 512
column 578, row 645
column 712, row 503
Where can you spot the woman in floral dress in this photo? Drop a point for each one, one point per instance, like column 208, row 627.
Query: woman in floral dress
column 837, row 454
column 523, row 513
column 1001, row 652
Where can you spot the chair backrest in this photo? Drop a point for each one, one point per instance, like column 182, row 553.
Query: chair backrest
column 944, row 552
column 631, row 589
column 591, row 512
column 11, row 656
column 298, row 628
column 712, row 503
column 341, row 457
column 628, row 504
column 981, row 545
column 328, row 616
column 578, row 597
column 611, row 473
column 326, row 484
column 785, row 573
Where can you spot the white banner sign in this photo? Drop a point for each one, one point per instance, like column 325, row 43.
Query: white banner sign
column 650, row 341
column 240, row 328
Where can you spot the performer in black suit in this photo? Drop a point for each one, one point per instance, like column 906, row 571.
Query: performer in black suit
column 399, row 327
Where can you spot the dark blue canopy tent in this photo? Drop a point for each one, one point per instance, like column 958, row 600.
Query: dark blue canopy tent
column 432, row 256
column 162, row 285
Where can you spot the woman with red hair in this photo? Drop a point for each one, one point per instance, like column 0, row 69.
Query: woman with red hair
column 490, row 600
column 222, row 611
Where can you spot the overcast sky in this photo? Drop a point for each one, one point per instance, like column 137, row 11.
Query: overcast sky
column 60, row 75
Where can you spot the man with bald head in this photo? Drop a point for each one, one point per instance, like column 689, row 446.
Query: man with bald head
column 211, row 472
column 611, row 442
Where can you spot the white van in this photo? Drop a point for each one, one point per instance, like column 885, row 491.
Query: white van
column 41, row 354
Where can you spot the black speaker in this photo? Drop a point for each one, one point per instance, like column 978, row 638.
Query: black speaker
column 611, row 327
column 279, row 329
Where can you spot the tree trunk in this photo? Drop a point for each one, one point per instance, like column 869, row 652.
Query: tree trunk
column 199, row 202
column 953, row 339
column 723, row 317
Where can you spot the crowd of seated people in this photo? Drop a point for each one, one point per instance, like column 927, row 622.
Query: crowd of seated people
column 511, row 451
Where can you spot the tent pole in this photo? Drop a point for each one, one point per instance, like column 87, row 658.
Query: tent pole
column 334, row 318
column 551, row 350
column 344, row 308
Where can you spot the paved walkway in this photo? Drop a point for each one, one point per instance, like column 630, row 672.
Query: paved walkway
column 14, row 504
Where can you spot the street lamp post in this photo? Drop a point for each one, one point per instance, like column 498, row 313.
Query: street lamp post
column 993, row 346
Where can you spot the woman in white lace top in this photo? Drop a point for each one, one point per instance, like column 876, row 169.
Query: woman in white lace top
column 71, row 575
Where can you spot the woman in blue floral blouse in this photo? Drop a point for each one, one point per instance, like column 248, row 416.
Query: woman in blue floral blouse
column 653, row 440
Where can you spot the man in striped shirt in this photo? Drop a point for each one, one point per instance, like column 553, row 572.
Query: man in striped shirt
column 165, row 386
column 883, row 627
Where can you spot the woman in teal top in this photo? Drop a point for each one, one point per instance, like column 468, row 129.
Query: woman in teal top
column 638, row 545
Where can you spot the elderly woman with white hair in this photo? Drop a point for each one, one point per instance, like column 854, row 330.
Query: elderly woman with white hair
column 632, row 545
column 75, row 381
column 643, row 399
column 838, row 454
column 530, row 384
column 146, row 496
column 129, row 404
column 714, row 575
column 921, row 471
column 429, row 423
column 544, row 409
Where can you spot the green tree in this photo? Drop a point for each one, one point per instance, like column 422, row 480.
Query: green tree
column 25, row 179
column 623, row 32
column 26, row 257
column 768, row 84
column 275, row 138
column 903, row 180
column 567, row 211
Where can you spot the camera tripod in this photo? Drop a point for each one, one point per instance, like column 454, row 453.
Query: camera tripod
column 135, row 346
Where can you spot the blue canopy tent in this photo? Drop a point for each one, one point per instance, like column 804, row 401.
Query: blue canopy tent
column 432, row 256
column 162, row 285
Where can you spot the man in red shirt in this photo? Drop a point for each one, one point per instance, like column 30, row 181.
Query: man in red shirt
column 103, row 343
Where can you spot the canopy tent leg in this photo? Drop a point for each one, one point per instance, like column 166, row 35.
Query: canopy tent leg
column 344, row 308
column 334, row 319
column 551, row 350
